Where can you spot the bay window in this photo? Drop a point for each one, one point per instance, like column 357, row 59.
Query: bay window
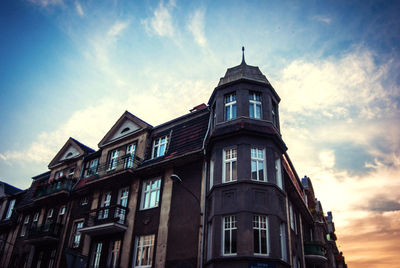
column 230, row 165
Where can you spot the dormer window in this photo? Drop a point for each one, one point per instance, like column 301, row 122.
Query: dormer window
column 230, row 106
column 130, row 152
column 159, row 146
column 255, row 105
column 113, row 159
column 91, row 167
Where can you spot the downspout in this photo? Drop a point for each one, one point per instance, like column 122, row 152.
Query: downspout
column 205, row 191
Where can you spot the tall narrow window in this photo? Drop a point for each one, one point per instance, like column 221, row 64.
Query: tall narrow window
column 230, row 166
column 151, row 193
column 25, row 226
column 77, row 234
column 144, row 251
column 35, row 219
column 52, row 258
column 294, row 261
column 230, row 106
column 229, row 235
column 130, row 152
column 10, row 209
column 71, row 173
column 113, row 255
column 260, row 231
column 274, row 114
column 96, row 255
column 278, row 172
column 291, row 216
column 91, row 167
column 258, row 164
column 113, row 160
column 214, row 116
column 255, row 105
column 61, row 214
column 211, row 173
column 283, row 242
column 159, row 146
column 105, row 202
column 123, row 202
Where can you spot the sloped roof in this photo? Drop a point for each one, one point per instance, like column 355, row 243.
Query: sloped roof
column 9, row 189
column 243, row 71
column 71, row 142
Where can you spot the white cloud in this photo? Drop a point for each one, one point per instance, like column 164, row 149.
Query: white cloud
column 323, row 19
column 196, row 27
column 118, row 28
column 161, row 21
column 79, row 9
column 46, row 3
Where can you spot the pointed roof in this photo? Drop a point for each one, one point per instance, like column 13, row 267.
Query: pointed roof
column 125, row 126
column 243, row 71
column 71, row 149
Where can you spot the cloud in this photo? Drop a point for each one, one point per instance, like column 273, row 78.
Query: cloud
column 323, row 19
column 79, row 9
column 161, row 21
column 196, row 27
column 381, row 204
column 46, row 3
column 118, row 28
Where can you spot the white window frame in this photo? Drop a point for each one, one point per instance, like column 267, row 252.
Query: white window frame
column 130, row 150
column 113, row 159
column 62, row 210
column 260, row 223
column 76, row 238
column 25, row 225
column 10, row 209
column 159, row 147
column 36, row 217
column 282, row 235
column 255, row 101
column 146, row 203
column 229, row 223
column 50, row 213
column 211, row 174
column 229, row 158
column 71, row 173
column 291, row 218
column 142, row 244
column 123, row 197
column 114, row 254
column 230, row 106
column 105, row 202
column 96, row 256
column 92, row 167
column 274, row 111
column 259, row 161
column 278, row 172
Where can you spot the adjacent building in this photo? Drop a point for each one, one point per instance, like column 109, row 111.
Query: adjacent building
column 212, row 188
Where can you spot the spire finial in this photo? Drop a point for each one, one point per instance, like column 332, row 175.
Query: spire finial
column 243, row 62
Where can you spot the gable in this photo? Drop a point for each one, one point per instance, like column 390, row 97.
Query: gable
column 71, row 152
column 126, row 128
column 71, row 149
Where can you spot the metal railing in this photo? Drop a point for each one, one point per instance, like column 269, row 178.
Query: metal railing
column 314, row 248
column 121, row 163
column 53, row 187
column 103, row 215
column 52, row 229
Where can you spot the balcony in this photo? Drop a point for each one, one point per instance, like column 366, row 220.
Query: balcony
column 113, row 167
column 45, row 233
column 314, row 252
column 58, row 188
column 105, row 220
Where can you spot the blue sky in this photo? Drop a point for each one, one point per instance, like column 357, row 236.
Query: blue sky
column 71, row 68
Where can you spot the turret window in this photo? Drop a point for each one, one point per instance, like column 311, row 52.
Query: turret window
column 258, row 164
column 274, row 114
column 230, row 106
column 230, row 165
column 255, row 105
column 278, row 172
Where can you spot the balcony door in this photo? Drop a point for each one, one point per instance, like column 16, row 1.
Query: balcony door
column 105, row 253
column 120, row 211
column 105, row 202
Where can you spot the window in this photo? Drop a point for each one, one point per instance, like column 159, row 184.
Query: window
column 258, row 164
column 130, row 152
column 214, row 116
column 50, row 213
column 96, row 255
column 230, row 106
column 105, row 202
column 71, row 173
column 58, row 174
column 113, row 160
column 278, row 172
column 113, row 255
column 229, row 235
column 52, row 258
column 62, row 210
column 84, row 201
column 291, row 217
column 283, row 242
column 123, row 201
column 159, row 146
column 144, row 251
column 151, row 193
column 229, row 169
column 260, row 231
column 91, row 167
column 10, row 209
column 61, row 214
column 274, row 114
column 25, row 226
column 77, row 234
column 35, row 218
column 255, row 105
column 209, row 241
column 211, row 173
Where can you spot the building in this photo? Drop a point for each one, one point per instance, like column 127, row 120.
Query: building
column 212, row 188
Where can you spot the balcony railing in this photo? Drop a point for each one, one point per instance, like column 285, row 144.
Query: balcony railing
column 314, row 248
column 121, row 163
column 52, row 229
column 110, row 214
column 59, row 185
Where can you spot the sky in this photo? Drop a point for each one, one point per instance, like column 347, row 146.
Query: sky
column 71, row 68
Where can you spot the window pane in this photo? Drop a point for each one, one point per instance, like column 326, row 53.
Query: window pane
column 251, row 110
column 233, row 111
column 263, row 241
column 234, row 241
column 227, row 172
column 234, row 173
column 256, row 241
column 258, row 111
column 253, row 170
